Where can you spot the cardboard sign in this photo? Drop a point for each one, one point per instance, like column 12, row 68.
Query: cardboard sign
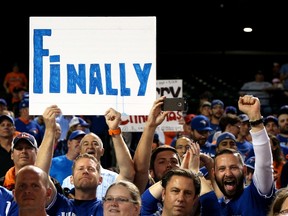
column 86, row 65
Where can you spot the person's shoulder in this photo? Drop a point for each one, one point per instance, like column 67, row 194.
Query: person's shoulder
column 59, row 158
column 5, row 193
column 108, row 172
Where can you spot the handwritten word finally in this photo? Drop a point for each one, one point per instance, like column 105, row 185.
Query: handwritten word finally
column 76, row 75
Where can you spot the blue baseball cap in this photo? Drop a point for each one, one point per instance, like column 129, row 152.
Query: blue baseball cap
column 200, row 123
column 225, row 135
column 24, row 103
column 270, row 118
column 283, row 110
column 78, row 120
column 231, row 109
column 244, row 117
column 217, row 102
column 7, row 117
column 250, row 162
column 76, row 134
column 3, row 101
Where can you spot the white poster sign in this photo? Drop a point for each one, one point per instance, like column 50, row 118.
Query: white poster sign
column 87, row 64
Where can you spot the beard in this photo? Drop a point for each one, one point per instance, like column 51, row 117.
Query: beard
column 224, row 184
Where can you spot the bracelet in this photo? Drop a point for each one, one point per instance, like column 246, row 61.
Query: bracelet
column 114, row 132
column 256, row 122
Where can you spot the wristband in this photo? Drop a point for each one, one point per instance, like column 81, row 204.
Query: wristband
column 199, row 174
column 114, row 132
column 256, row 122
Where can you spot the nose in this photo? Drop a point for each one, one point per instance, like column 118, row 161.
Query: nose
column 228, row 172
column 180, row 196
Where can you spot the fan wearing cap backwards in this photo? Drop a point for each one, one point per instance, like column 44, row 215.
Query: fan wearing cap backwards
column 23, row 152
column 61, row 165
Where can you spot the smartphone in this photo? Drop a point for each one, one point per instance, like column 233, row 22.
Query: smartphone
column 174, row 104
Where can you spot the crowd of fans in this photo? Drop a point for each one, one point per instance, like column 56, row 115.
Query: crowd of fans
column 228, row 160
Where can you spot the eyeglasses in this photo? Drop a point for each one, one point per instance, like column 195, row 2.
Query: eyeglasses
column 118, row 200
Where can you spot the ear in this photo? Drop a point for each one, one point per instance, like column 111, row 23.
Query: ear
column 137, row 209
column 71, row 180
column 245, row 170
column 102, row 151
column 49, row 192
column 163, row 194
column 151, row 173
column 100, row 180
column 13, row 192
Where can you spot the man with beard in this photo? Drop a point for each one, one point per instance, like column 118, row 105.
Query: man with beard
column 256, row 198
column 282, row 136
column 200, row 130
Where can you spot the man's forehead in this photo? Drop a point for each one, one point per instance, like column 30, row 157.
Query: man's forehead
column 166, row 154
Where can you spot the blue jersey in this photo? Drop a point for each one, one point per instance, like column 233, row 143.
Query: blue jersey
column 70, row 207
column 61, row 167
column 7, row 204
column 153, row 207
column 250, row 202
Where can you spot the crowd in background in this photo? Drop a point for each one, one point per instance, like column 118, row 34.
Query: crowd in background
column 230, row 154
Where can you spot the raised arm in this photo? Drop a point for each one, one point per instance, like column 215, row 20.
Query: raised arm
column 123, row 157
column 45, row 152
column 263, row 174
column 143, row 151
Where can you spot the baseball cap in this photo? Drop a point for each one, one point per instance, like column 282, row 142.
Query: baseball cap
column 201, row 123
column 76, row 134
column 206, row 103
column 3, row 101
column 250, row 162
column 9, row 118
column 217, row 102
column 188, row 118
column 78, row 120
column 243, row 117
column 223, row 136
column 270, row 118
column 231, row 109
column 27, row 137
column 283, row 110
column 24, row 103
